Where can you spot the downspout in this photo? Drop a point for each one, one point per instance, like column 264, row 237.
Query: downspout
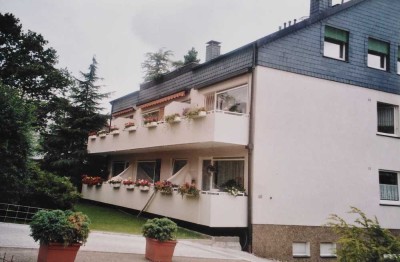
column 250, row 147
column 112, row 108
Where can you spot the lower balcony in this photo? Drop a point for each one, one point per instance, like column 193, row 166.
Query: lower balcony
column 212, row 209
column 216, row 128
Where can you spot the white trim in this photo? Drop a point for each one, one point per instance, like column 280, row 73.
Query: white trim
column 230, row 89
column 296, row 246
column 390, row 202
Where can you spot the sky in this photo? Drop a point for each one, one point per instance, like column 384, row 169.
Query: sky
column 120, row 32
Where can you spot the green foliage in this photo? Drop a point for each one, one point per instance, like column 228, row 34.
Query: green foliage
column 58, row 226
column 156, row 64
column 162, row 229
column 15, row 143
column 47, row 190
column 364, row 241
column 191, row 57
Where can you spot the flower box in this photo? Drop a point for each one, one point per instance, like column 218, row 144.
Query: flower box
column 102, row 135
column 200, row 114
column 92, row 137
column 117, row 185
column 144, row 188
column 130, row 187
column 115, row 132
column 151, row 124
column 131, row 128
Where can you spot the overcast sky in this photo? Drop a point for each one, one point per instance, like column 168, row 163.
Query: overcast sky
column 120, row 32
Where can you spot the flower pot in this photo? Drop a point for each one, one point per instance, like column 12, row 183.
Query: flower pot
column 99, row 184
column 131, row 128
column 102, row 135
column 144, row 188
column 118, row 185
column 201, row 114
column 191, row 195
column 159, row 251
column 93, row 137
column 56, row 252
column 177, row 119
column 115, row 132
column 130, row 187
column 151, row 124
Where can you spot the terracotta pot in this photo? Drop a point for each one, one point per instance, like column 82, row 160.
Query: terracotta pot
column 159, row 251
column 55, row 252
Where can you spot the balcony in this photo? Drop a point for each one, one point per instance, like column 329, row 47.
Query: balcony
column 212, row 209
column 217, row 128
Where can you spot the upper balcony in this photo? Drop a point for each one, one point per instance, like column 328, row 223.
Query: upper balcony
column 215, row 128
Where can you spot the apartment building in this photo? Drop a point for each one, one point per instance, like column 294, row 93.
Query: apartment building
column 306, row 120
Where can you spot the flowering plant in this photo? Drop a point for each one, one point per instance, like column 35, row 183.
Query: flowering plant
column 142, row 182
column 128, row 182
column 148, row 120
column 114, row 128
column 193, row 112
column 92, row 133
column 165, row 187
column 171, row 118
column 129, row 124
column 188, row 189
column 232, row 187
column 115, row 181
column 101, row 132
column 91, row 180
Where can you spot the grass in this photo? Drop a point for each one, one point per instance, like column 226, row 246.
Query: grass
column 113, row 220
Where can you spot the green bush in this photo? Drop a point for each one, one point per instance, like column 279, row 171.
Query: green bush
column 162, row 229
column 57, row 226
column 365, row 241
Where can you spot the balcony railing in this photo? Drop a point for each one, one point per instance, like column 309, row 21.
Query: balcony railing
column 215, row 127
column 213, row 209
column 389, row 192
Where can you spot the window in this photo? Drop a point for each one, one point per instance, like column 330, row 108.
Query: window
column 177, row 165
column 398, row 60
column 149, row 170
column 389, row 187
column 232, row 100
column 118, row 167
column 378, row 54
column 301, row 249
column 327, row 250
column 220, row 173
column 336, row 43
column 387, row 118
column 156, row 115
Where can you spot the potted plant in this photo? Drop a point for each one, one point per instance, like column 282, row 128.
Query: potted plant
column 192, row 113
column 174, row 118
column 116, row 183
column 189, row 190
column 92, row 135
column 160, row 236
column 129, row 184
column 150, row 122
column 60, row 234
column 92, row 180
column 143, row 184
column 233, row 188
column 114, row 130
column 130, row 126
column 165, row 187
column 102, row 133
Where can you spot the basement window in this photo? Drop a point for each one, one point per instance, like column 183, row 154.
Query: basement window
column 301, row 249
column 378, row 54
column 336, row 43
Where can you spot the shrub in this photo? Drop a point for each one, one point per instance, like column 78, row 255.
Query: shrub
column 57, row 226
column 365, row 240
column 162, row 229
column 190, row 189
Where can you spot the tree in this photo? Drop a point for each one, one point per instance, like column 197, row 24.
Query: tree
column 191, row 57
column 28, row 66
column 157, row 64
column 364, row 241
column 16, row 117
column 65, row 143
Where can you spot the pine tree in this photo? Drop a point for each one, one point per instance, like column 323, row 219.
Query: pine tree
column 157, row 64
column 191, row 57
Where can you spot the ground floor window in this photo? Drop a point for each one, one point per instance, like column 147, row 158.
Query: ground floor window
column 222, row 173
column 149, row 170
column 118, row 167
column 177, row 165
column 389, row 187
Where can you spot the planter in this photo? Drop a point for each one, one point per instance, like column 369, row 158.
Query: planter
column 58, row 252
column 177, row 119
column 167, row 193
column 131, row 128
column 130, row 187
column 99, row 185
column 102, row 135
column 116, row 186
column 191, row 195
column 151, row 124
column 201, row 114
column 115, row 132
column 159, row 251
column 144, row 188
column 92, row 137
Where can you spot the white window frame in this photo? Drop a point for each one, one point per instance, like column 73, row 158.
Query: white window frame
column 230, row 89
column 390, row 202
column 385, row 57
column 396, row 120
column 323, row 247
column 305, row 245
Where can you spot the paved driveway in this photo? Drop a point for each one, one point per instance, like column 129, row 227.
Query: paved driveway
column 15, row 236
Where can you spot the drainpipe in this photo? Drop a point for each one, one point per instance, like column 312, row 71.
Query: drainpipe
column 112, row 107
column 250, row 147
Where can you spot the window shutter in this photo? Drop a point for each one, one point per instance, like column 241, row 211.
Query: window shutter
column 336, row 34
column 378, row 46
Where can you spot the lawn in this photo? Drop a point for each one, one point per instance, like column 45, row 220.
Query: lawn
column 114, row 220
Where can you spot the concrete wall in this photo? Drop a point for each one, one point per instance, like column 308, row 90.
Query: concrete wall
column 317, row 151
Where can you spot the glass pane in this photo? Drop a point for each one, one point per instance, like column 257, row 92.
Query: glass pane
column 149, row 171
column 377, row 61
column 389, row 186
column 234, row 100
column 386, row 118
column 398, row 67
column 334, row 50
column 153, row 115
column 178, row 165
column 117, row 168
column 228, row 173
column 205, row 180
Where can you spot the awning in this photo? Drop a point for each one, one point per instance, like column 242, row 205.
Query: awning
column 162, row 100
column 123, row 111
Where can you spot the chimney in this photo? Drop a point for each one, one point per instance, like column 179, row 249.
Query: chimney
column 317, row 6
column 213, row 50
